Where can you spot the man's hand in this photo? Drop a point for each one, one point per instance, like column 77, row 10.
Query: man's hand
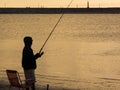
column 37, row 55
column 41, row 53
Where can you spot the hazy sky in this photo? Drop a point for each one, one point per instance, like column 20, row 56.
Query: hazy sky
column 59, row 3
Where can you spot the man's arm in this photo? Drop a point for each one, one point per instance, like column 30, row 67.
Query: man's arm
column 37, row 55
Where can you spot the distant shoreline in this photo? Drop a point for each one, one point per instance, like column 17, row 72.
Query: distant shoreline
column 59, row 10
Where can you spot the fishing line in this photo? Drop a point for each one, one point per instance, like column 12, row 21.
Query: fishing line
column 54, row 28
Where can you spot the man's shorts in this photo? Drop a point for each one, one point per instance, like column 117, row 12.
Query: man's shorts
column 30, row 76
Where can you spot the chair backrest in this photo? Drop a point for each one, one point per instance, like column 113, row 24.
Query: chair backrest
column 14, row 78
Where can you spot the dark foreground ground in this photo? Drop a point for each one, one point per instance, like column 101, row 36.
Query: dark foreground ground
column 92, row 84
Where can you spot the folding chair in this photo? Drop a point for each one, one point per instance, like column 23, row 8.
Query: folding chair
column 15, row 81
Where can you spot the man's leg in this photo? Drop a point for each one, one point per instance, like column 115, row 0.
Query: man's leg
column 33, row 86
column 33, row 78
column 26, row 73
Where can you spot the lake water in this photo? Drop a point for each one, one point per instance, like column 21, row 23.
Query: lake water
column 83, row 49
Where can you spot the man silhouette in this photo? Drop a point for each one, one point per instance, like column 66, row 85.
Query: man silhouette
column 29, row 62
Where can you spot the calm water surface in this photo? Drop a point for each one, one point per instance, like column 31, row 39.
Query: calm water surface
column 83, row 46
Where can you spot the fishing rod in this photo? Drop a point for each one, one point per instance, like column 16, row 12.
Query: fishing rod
column 54, row 28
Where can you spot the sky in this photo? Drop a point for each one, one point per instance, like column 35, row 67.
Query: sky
column 59, row 3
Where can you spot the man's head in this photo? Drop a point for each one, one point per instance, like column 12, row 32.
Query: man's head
column 28, row 41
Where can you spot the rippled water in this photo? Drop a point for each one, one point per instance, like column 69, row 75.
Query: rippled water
column 83, row 46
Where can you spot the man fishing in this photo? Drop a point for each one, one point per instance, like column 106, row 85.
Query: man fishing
column 29, row 62
column 29, row 59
